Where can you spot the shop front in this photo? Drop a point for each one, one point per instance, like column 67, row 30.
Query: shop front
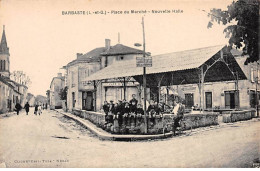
column 116, row 91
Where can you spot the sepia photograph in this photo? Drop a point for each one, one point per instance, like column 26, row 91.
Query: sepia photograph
column 129, row 84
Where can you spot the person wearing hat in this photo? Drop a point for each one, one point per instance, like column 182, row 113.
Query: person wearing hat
column 110, row 111
column 139, row 111
column 111, row 105
column 121, row 107
column 106, row 110
column 178, row 111
column 116, row 111
column 133, row 101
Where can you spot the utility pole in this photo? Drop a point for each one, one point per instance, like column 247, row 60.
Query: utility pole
column 257, row 113
column 144, row 80
column 256, row 93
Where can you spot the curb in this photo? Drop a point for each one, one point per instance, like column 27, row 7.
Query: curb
column 108, row 136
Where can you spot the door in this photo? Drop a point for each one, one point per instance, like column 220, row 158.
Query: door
column 89, row 101
column 84, row 100
column 73, row 100
column 252, row 99
column 231, row 99
column 208, row 96
column 189, row 100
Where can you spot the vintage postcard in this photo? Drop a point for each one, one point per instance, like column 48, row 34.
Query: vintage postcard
column 129, row 84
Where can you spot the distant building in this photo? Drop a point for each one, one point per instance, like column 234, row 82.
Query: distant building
column 56, row 85
column 30, row 99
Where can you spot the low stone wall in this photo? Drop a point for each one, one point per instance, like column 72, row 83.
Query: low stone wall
column 95, row 117
column 200, row 120
column 235, row 116
column 135, row 125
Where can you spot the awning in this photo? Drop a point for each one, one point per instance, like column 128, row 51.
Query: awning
column 174, row 68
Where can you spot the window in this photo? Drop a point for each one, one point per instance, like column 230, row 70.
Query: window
column 253, row 98
column 72, row 79
column 120, row 58
column 106, row 61
column 3, row 65
column 208, row 96
column 189, row 100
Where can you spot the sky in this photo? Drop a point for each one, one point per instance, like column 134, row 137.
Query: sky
column 41, row 40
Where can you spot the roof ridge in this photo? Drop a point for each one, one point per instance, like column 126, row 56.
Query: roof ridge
column 189, row 50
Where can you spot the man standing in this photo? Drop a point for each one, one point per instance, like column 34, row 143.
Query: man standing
column 27, row 107
column 36, row 109
column 133, row 101
column 178, row 111
column 18, row 107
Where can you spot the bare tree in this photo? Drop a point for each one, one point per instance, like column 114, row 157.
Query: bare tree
column 21, row 77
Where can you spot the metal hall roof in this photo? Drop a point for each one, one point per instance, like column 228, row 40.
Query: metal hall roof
column 180, row 63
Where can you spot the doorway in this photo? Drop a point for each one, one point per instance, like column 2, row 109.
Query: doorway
column 87, row 100
column 231, row 99
column 208, row 96
column 73, row 99
column 189, row 100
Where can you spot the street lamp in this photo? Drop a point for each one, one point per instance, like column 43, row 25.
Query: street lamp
column 144, row 76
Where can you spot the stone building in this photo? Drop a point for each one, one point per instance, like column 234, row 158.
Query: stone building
column 56, row 85
column 11, row 92
column 81, row 93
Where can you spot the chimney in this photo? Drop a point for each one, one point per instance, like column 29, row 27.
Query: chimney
column 79, row 54
column 107, row 43
column 59, row 74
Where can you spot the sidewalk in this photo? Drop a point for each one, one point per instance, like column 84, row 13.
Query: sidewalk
column 108, row 136
column 8, row 114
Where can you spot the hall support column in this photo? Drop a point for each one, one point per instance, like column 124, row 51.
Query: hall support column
column 124, row 88
column 202, row 89
column 95, row 95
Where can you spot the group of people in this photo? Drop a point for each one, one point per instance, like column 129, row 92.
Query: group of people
column 134, row 110
column 37, row 109
column 122, row 109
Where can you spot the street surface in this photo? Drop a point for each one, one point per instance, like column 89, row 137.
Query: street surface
column 50, row 140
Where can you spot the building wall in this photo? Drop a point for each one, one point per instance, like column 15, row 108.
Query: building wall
column 75, row 75
column 8, row 98
column 115, row 58
column 56, row 85
column 3, row 98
